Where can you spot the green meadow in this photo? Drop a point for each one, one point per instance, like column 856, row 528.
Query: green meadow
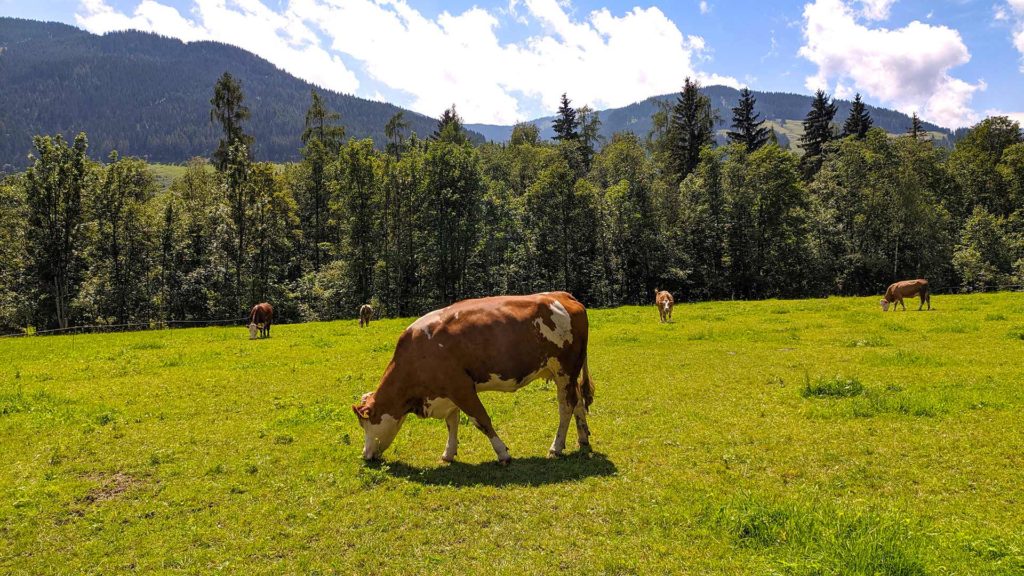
column 775, row 437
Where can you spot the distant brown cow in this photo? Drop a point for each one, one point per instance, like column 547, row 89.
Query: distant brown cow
column 260, row 318
column 365, row 315
column 664, row 301
column 444, row 359
column 906, row 289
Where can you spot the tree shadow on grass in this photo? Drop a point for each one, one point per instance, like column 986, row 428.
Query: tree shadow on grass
column 532, row 471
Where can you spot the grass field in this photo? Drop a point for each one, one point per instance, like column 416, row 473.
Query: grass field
column 778, row 437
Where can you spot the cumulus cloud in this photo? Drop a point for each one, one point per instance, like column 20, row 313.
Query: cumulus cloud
column 280, row 38
column 704, row 8
column 876, row 9
column 907, row 68
column 601, row 59
column 1013, row 11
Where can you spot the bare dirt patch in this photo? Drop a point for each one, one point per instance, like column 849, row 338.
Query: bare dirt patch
column 111, row 486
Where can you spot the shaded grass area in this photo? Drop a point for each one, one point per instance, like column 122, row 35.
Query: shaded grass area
column 779, row 437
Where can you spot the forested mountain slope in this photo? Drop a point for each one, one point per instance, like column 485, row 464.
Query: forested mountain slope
column 149, row 96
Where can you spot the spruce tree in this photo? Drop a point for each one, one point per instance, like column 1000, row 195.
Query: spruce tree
column 859, row 121
column 748, row 130
column 817, row 132
column 229, row 111
column 323, row 141
column 449, row 128
column 566, row 124
column 691, row 127
column 916, row 129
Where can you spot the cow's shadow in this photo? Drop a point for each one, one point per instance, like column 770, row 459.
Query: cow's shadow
column 530, row 471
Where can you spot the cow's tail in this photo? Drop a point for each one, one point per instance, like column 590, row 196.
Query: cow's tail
column 585, row 387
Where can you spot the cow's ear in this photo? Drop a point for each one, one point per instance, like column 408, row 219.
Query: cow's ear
column 361, row 410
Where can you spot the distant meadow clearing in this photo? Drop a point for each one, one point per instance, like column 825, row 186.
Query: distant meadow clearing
column 775, row 437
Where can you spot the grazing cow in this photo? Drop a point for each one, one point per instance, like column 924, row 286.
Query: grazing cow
column 897, row 291
column 260, row 318
column 664, row 301
column 501, row 343
column 365, row 315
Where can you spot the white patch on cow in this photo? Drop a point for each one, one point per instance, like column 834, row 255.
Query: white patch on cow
column 438, row 407
column 427, row 324
column 885, row 305
column 500, row 449
column 252, row 331
column 379, row 436
column 495, row 383
column 550, row 370
column 562, row 334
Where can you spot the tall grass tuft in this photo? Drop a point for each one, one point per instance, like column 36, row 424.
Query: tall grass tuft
column 834, row 387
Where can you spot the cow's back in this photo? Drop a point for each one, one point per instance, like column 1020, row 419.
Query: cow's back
column 503, row 336
column 906, row 288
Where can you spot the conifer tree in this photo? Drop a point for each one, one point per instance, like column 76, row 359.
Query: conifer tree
column 691, row 127
column 817, row 132
column 449, row 128
column 229, row 111
column 747, row 129
column 859, row 121
column 566, row 124
column 916, row 129
column 323, row 141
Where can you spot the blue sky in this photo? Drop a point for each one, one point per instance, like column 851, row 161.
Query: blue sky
column 952, row 61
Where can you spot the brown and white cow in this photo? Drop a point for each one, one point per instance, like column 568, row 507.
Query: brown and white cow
column 897, row 291
column 365, row 315
column 260, row 318
column 664, row 301
column 444, row 359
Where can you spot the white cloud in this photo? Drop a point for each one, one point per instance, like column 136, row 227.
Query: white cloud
column 907, row 68
column 1014, row 11
column 1018, row 116
column 280, row 38
column 601, row 59
column 704, row 8
column 876, row 9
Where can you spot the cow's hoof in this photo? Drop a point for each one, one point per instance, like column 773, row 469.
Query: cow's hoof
column 447, row 459
column 554, row 454
column 505, row 462
column 585, row 447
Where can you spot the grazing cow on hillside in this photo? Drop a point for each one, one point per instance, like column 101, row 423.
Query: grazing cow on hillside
column 664, row 301
column 365, row 315
column 897, row 291
column 260, row 318
column 501, row 343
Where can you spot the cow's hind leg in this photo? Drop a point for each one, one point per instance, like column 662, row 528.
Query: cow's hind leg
column 469, row 403
column 452, row 448
column 582, row 429
column 564, row 416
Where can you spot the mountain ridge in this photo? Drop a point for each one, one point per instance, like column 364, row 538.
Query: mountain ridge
column 778, row 108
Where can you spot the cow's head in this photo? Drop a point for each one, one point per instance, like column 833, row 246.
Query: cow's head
column 885, row 305
column 379, row 426
column 253, row 329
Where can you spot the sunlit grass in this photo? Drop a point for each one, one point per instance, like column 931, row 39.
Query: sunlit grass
column 200, row 451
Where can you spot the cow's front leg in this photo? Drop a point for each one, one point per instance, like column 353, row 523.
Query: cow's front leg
column 474, row 409
column 564, row 416
column 452, row 448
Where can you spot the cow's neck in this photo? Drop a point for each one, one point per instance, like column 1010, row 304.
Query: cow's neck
column 393, row 398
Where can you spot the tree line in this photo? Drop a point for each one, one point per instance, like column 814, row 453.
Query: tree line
column 425, row 221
